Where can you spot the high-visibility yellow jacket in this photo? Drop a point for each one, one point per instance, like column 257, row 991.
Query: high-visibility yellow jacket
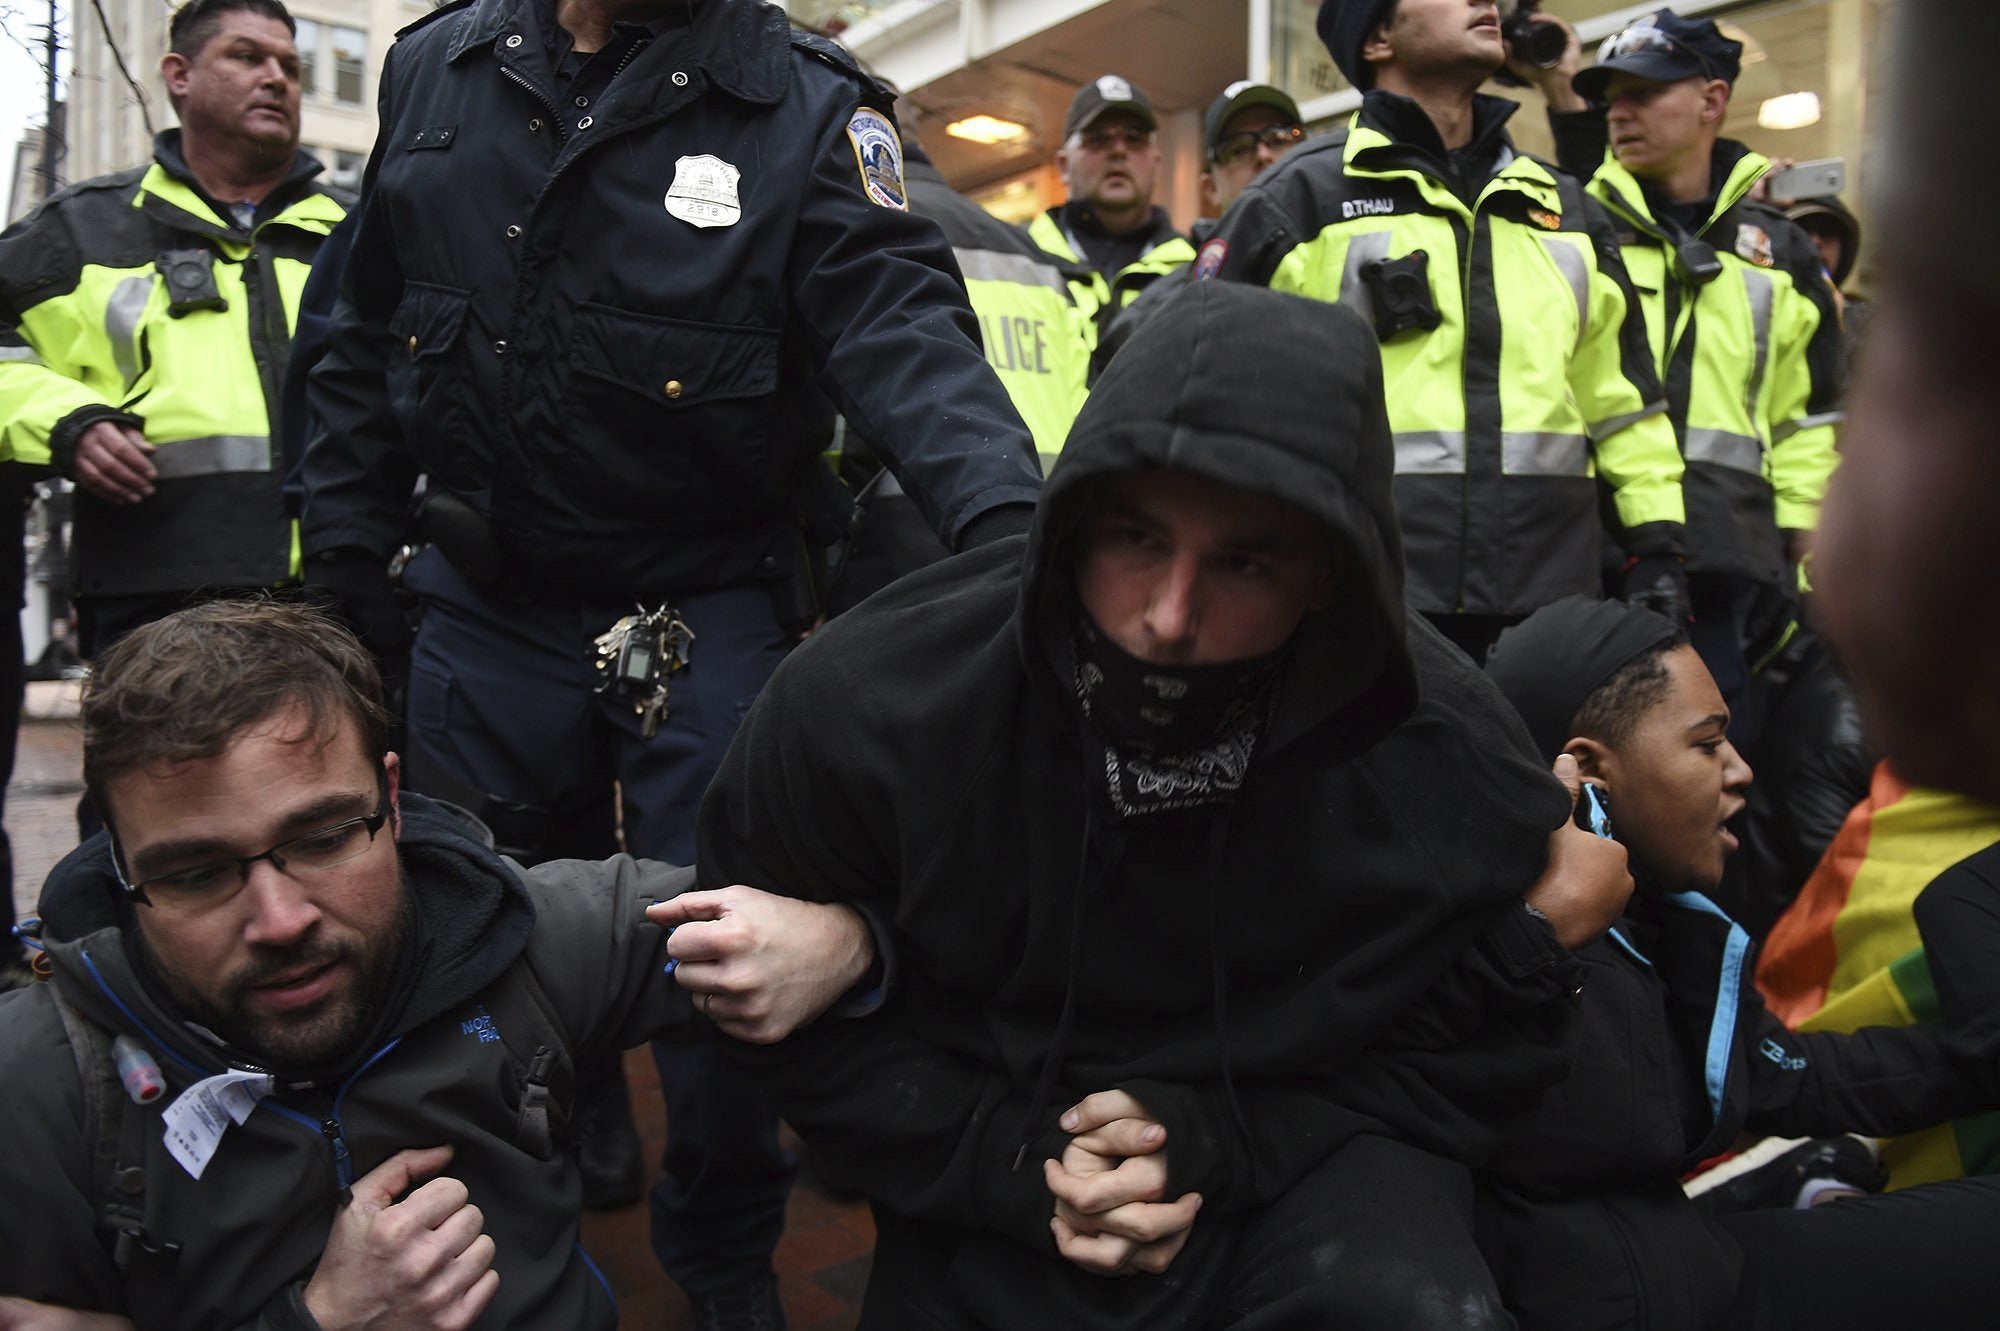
column 1750, row 360
column 89, row 332
column 1097, row 297
column 1036, row 339
column 1535, row 381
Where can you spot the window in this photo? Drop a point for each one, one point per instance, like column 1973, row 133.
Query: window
column 350, row 56
column 332, row 61
column 344, row 168
column 307, row 41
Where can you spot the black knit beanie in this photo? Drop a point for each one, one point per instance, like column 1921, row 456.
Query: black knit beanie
column 1550, row 663
column 1345, row 25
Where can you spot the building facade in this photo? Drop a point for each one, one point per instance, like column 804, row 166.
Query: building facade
column 1808, row 70
column 341, row 46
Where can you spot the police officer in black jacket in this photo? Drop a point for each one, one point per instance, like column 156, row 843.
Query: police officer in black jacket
column 615, row 257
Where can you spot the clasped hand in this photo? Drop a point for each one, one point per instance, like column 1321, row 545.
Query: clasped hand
column 1111, row 1213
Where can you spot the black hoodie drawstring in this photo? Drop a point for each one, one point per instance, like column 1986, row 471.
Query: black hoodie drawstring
column 1218, row 839
column 1091, row 873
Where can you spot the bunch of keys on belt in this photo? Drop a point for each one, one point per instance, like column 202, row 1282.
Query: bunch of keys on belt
column 635, row 656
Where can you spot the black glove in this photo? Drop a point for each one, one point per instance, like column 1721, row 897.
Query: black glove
column 357, row 583
column 1660, row 584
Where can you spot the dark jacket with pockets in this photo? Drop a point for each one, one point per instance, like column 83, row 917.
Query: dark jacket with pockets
column 634, row 399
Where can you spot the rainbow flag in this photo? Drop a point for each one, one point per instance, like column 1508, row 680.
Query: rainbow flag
column 1847, row 953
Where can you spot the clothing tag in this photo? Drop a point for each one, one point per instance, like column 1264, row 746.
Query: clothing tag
column 704, row 192
column 195, row 1122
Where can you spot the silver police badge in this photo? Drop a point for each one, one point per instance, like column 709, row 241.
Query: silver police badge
column 704, row 192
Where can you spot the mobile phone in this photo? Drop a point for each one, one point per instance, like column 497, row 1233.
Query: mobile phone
column 1593, row 809
column 1808, row 180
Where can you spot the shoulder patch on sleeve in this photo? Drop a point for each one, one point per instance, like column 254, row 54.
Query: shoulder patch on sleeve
column 1209, row 262
column 878, row 151
column 1754, row 243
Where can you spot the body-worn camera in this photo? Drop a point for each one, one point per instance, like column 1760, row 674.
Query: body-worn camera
column 1538, row 44
column 190, row 278
column 1400, row 290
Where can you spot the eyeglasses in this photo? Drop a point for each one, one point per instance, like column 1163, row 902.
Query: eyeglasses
column 1103, row 138
column 1233, row 147
column 1645, row 38
column 208, row 886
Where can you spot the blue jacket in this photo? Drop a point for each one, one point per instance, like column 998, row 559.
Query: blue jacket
column 618, row 339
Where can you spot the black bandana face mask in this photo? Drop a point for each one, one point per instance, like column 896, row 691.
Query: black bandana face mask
column 1173, row 736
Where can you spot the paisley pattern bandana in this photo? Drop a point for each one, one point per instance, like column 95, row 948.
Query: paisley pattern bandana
column 1171, row 737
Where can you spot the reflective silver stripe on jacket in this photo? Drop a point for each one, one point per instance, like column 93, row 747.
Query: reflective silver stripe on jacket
column 121, row 324
column 1611, row 425
column 212, row 455
column 1570, row 260
column 1544, row 453
column 1762, row 289
column 20, row 355
column 1430, row 453
column 1720, row 448
column 1361, row 251
column 1787, row 429
column 996, row 266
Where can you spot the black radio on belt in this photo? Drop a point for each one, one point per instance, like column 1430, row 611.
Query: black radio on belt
column 190, row 276
column 1401, row 292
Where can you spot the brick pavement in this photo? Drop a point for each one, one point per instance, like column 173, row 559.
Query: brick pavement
column 822, row 1261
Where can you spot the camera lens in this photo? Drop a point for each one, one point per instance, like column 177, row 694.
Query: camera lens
column 1544, row 45
column 1404, row 292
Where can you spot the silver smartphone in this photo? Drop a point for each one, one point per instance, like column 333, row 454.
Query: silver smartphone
column 1808, row 180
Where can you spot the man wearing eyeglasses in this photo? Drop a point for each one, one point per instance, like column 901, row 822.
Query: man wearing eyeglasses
column 1110, row 162
column 1741, row 320
column 363, row 1020
column 1248, row 127
column 1516, row 364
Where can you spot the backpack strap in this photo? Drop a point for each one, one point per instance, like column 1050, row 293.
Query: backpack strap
column 539, row 1046
column 118, row 1151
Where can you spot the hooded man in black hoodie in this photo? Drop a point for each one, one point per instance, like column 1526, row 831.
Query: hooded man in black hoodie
column 1198, row 848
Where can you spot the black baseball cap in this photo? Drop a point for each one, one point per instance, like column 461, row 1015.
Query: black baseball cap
column 1103, row 94
column 1241, row 96
column 1665, row 48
